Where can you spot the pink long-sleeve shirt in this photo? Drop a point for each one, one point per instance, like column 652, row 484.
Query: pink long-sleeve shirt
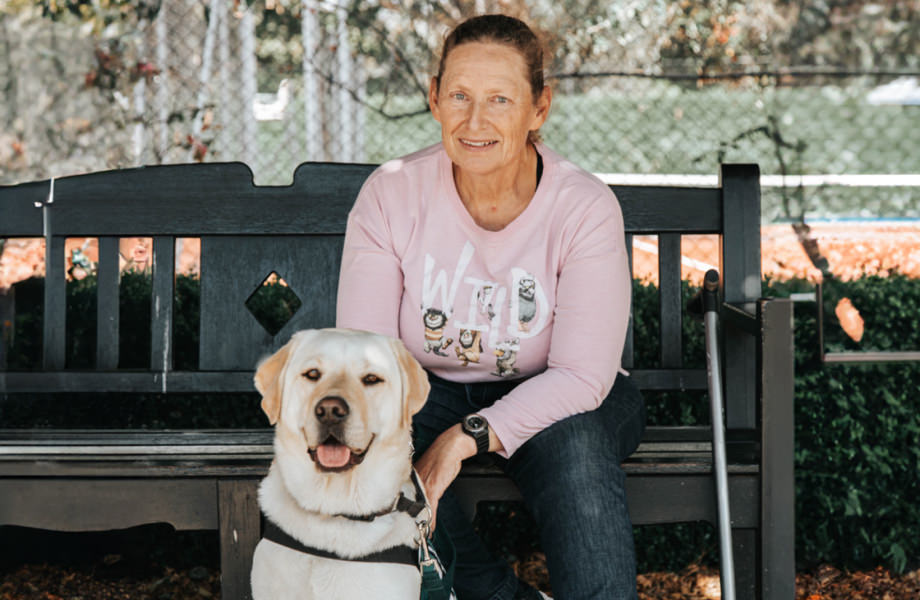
column 546, row 298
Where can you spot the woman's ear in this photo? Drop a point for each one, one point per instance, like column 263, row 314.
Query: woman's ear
column 542, row 106
column 433, row 99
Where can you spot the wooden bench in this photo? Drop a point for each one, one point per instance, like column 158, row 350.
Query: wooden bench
column 95, row 479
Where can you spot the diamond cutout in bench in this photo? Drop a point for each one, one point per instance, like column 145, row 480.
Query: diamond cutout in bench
column 273, row 303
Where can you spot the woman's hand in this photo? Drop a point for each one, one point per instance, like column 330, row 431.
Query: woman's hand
column 440, row 464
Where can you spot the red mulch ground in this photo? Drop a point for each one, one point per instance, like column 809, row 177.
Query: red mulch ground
column 109, row 579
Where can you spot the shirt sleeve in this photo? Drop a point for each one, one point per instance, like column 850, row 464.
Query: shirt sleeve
column 370, row 278
column 590, row 322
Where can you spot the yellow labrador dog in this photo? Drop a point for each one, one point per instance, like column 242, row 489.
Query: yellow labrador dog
column 340, row 502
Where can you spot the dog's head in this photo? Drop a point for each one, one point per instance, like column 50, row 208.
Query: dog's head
column 342, row 403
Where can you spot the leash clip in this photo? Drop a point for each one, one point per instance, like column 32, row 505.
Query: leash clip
column 425, row 559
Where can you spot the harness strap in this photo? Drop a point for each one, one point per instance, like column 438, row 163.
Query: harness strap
column 401, row 555
column 402, row 504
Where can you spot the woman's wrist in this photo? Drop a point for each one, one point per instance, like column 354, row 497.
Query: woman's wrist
column 463, row 445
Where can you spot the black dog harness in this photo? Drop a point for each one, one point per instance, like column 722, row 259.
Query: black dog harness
column 403, row 555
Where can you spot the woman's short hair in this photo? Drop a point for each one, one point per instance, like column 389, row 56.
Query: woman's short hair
column 500, row 29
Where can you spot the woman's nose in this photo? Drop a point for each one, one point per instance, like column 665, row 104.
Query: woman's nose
column 477, row 111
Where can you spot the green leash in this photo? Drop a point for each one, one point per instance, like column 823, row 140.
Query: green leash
column 436, row 564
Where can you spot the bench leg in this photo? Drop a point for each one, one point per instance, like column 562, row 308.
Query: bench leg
column 744, row 549
column 240, row 530
column 778, row 468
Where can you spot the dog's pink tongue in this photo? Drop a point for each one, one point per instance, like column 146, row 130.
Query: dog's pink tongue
column 333, row 455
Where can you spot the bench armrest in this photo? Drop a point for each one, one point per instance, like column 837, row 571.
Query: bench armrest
column 736, row 317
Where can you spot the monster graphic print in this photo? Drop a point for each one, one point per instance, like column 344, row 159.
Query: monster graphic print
column 487, row 315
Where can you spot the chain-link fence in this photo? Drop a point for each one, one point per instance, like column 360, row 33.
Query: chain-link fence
column 273, row 83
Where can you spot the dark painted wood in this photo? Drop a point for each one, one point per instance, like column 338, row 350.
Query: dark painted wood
column 748, row 576
column 690, row 499
column 778, row 431
column 241, row 380
column 670, row 306
column 653, row 210
column 208, row 199
column 161, row 308
column 21, row 207
column 628, row 346
column 99, row 504
column 179, row 467
column 55, row 311
column 128, row 437
column 741, row 281
column 234, row 267
column 239, row 533
column 670, row 379
column 696, row 495
column 7, row 319
column 741, row 221
column 220, row 199
column 733, row 317
column 107, row 313
column 127, row 381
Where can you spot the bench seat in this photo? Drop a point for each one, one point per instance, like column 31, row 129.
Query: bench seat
column 151, row 456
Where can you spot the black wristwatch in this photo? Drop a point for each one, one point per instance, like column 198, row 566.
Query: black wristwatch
column 477, row 428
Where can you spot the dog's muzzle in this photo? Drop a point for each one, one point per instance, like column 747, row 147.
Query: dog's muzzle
column 334, row 454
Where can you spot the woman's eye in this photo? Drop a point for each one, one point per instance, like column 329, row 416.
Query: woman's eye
column 313, row 374
column 371, row 379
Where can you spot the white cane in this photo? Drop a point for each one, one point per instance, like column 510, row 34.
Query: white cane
column 711, row 323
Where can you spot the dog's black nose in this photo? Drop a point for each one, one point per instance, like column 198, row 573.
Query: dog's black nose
column 331, row 409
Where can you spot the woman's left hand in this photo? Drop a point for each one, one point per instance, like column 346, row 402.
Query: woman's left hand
column 440, row 464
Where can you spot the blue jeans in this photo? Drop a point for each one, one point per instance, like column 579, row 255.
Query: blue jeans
column 570, row 478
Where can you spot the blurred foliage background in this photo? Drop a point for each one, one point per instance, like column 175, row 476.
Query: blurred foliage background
column 659, row 87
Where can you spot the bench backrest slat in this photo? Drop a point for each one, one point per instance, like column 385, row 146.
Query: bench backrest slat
column 107, row 305
column 670, row 304
column 628, row 348
column 54, row 337
column 653, row 210
column 161, row 309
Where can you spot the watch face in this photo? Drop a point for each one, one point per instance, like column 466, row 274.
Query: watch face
column 474, row 423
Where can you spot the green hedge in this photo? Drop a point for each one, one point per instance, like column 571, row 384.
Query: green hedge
column 858, row 432
column 857, row 427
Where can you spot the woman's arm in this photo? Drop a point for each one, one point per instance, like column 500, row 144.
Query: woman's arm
column 370, row 278
column 591, row 317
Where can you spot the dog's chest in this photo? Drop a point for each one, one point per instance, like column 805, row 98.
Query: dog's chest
column 282, row 573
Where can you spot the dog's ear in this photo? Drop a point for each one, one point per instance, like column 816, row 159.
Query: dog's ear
column 268, row 381
column 415, row 384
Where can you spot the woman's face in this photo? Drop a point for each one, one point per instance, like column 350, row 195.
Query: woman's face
column 486, row 108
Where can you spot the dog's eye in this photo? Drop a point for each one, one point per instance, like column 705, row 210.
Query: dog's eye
column 313, row 374
column 371, row 379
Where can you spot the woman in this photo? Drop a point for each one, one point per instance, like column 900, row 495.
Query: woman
column 503, row 269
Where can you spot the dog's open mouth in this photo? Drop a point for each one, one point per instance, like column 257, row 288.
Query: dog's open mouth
column 333, row 455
